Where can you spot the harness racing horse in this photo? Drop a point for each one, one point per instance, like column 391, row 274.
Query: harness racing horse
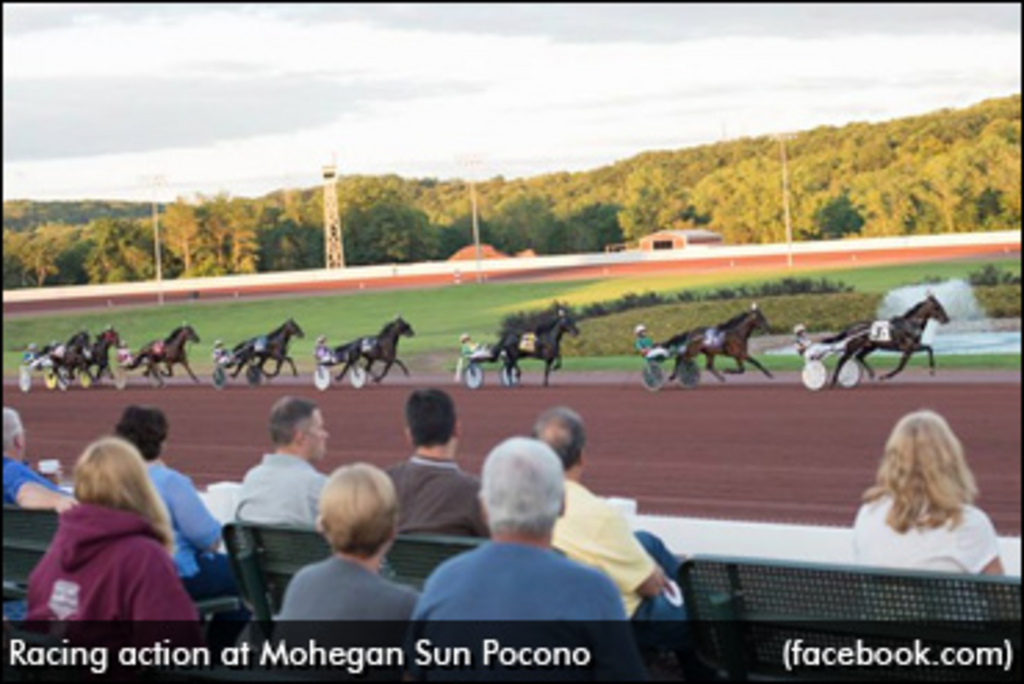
column 383, row 348
column 545, row 344
column 169, row 351
column 901, row 334
column 728, row 339
column 100, row 357
column 77, row 355
column 255, row 352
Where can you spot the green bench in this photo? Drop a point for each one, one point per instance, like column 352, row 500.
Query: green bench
column 746, row 615
column 27, row 535
column 266, row 557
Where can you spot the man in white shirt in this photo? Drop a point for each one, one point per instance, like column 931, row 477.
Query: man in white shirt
column 285, row 488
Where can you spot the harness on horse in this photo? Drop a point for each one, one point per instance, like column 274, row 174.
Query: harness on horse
column 367, row 345
column 158, row 348
column 528, row 343
column 260, row 345
column 714, row 338
column 881, row 331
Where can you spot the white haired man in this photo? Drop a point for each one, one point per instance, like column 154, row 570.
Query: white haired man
column 22, row 485
column 518, row 577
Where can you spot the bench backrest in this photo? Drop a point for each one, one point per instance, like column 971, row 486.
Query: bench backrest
column 266, row 557
column 744, row 610
column 413, row 557
column 27, row 535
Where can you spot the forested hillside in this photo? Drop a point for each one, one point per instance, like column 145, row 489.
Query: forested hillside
column 950, row 171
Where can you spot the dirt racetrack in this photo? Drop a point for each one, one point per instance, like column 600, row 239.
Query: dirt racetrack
column 750, row 449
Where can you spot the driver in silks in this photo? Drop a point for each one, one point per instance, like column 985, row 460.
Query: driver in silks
column 643, row 343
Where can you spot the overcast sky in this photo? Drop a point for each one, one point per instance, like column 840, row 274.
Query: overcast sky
column 250, row 98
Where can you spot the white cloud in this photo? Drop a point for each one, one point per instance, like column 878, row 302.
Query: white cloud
column 410, row 100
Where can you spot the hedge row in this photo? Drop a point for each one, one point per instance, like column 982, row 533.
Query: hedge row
column 613, row 335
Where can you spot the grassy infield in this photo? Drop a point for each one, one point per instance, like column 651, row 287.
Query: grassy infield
column 440, row 315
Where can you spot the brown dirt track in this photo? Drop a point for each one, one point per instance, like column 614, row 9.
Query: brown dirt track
column 750, row 449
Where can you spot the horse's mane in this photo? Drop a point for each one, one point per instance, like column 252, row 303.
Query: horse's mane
column 735, row 320
column 389, row 326
column 546, row 327
column 174, row 334
column 80, row 336
column 278, row 330
column 916, row 308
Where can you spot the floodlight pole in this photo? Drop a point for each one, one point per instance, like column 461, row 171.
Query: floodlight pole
column 785, row 200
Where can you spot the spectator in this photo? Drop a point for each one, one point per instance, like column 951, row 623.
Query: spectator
column 197, row 534
column 434, row 495
column 110, row 559
column 285, row 487
column 596, row 534
column 517, row 577
column 359, row 518
column 919, row 513
column 22, row 485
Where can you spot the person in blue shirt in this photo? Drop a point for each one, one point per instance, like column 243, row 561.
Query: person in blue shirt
column 516, row 589
column 197, row 534
column 23, row 486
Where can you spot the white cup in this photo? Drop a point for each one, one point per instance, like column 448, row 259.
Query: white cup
column 49, row 466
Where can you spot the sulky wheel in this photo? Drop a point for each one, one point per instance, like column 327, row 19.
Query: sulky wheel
column 814, row 375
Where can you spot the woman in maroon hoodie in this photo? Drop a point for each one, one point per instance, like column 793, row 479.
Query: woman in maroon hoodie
column 110, row 560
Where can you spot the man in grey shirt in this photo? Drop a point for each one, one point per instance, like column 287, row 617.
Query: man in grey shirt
column 285, row 487
column 358, row 517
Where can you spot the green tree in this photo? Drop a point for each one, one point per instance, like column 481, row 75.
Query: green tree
column 122, row 251
column 838, row 218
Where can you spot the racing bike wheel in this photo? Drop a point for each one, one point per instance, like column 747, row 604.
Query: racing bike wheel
column 357, row 376
column 322, row 378
column 509, row 378
column 254, row 375
column 24, row 379
column 220, row 377
column 849, row 376
column 474, row 375
column 689, row 374
column 120, row 378
column 814, row 375
column 50, row 378
column 85, row 380
column 653, row 376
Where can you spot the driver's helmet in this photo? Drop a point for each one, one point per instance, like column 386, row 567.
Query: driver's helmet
column 217, row 344
column 32, row 347
column 464, row 337
column 800, row 329
column 640, row 330
column 322, row 339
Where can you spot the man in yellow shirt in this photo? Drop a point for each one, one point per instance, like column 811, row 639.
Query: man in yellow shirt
column 594, row 533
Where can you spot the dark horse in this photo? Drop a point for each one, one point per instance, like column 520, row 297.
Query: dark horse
column 100, row 356
column 901, row 334
column 168, row 351
column 728, row 339
column 274, row 345
column 383, row 348
column 76, row 357
column 545, row 344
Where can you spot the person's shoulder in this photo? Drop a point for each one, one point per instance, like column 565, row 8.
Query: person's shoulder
column 976, row 519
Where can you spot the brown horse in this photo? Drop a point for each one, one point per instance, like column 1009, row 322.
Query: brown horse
column 169, row 351
column 728, row 339
column 100, row 356
column 546, row 346
column 274, row 345
column 900, row 333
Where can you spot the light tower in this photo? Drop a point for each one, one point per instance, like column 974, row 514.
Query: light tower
column 334, row 249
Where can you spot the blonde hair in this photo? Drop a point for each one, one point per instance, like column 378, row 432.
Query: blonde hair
column 925, row 473
column 358, row 510
column 111, row 473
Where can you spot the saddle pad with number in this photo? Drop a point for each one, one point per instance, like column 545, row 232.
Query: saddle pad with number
column 881, row 331
column 157, row 349
column 528, row 343
column 260, row 345
column 367, row 345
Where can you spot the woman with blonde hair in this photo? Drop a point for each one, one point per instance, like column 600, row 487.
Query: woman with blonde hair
column 359, row 519
column 111, row 557
column 920, row 512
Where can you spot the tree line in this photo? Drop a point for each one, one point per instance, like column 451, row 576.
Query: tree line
column 948, row 171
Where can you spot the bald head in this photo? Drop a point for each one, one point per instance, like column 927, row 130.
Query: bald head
column 561, row 428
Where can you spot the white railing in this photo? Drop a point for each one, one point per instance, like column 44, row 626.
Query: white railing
column 466, row 269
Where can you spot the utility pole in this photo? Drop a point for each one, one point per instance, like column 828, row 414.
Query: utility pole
column 334, row 248
column 472, row 164
column 156, row 182
column 785, row 198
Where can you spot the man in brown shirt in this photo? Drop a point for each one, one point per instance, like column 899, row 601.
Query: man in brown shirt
column 434, row 495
